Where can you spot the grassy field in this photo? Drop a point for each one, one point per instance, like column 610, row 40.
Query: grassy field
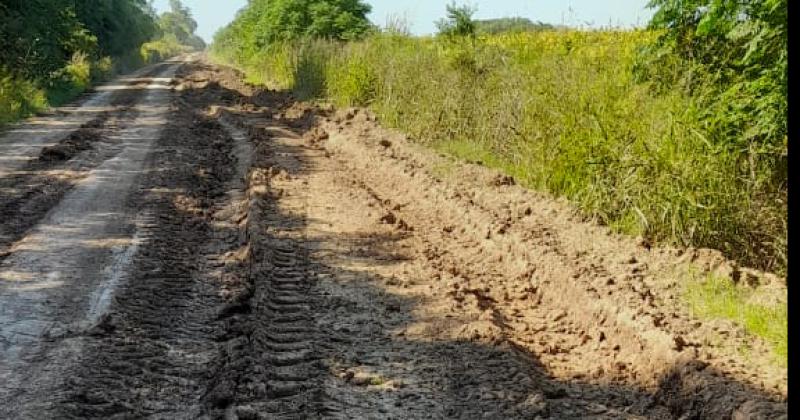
column 560, row 111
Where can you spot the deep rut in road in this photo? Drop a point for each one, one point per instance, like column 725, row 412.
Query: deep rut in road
column 296, row 262
column 148, row 354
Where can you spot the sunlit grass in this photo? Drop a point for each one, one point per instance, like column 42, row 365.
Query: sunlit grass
column 717, row 297
column 19, row 98
column 561, row 112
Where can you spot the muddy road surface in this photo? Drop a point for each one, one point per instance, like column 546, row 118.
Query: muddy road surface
column 181, row 245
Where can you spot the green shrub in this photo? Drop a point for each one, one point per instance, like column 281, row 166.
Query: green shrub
column 18, row 98
column 102, row 69
column 70, row 81
column 718, row 297
column 127, row 63
column 79, row 71
column 162, row 49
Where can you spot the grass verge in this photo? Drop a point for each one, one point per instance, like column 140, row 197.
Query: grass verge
column 562, row 112
column 717, row 297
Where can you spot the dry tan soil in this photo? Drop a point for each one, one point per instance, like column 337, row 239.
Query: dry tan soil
column 270, row 259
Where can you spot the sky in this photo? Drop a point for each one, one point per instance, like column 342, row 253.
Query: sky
column 421, row 14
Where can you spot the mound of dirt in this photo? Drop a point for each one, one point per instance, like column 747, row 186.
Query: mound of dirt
column 66, row 149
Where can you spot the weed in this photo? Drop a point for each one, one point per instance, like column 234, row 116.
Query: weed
column 717, row 297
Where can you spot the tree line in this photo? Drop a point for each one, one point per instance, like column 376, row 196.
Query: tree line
column 39, row 37
column 265, row 22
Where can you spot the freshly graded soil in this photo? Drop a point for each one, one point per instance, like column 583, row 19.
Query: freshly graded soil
column 207, row 249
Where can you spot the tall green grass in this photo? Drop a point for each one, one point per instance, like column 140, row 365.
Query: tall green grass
column 561, row 112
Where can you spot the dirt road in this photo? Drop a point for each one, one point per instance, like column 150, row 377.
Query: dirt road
column 183, row 245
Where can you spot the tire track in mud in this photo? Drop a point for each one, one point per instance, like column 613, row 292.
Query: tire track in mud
column 150, row 355
column 392, row 356
column 56, row 278
column 363, row 371
column 381, row 356
column 285, row 273
column 27, row 194
column 270, row 366
column 272, row 370
column 216, row 319
column 532, row 281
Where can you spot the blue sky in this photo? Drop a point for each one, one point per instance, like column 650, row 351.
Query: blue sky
column 213, row 14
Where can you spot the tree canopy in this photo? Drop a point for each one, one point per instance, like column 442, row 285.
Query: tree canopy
column 38, row 37
column 178, row 24
column 737, row 55
column 120, row 26
column 264, row 22
column 459, row 21
column 510, row 24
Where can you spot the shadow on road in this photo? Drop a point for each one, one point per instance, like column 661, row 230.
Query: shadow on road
column 361, row 327
column 185, row 340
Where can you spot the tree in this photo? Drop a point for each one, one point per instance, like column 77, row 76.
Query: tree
column 459, row 22
column 37, row 37
column 511, row 24
column 737, row 55
column 263, row 22
column 179, row 25
column 120, row 26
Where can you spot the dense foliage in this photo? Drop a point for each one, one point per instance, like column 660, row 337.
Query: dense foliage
column 178, row 25
column 265, row 22
column 38, row 37
column 120, row 26
column 51, row 50
column 176, row 34
column 731, row 56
